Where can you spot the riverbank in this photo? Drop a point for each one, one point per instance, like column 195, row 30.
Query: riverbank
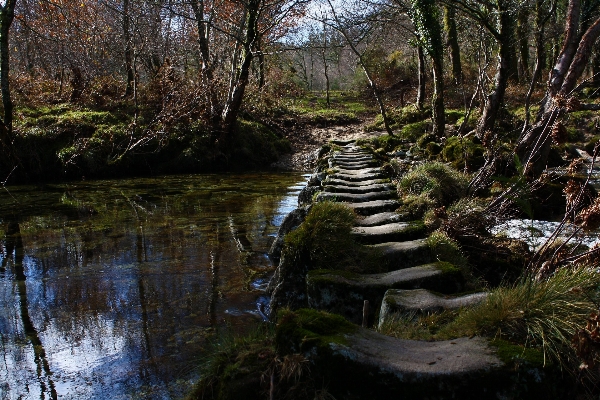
column 399, row 250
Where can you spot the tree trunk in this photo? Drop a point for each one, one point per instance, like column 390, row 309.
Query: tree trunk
column 128, row 50
column 234, row 104
column 522, row 33
column 452, row 42
column 325, row 65
column 422, row 78
column 7, row 13
column 438, row 116
column 77, row 83
column 534, row 147
column 206, row 72
column 496, row 97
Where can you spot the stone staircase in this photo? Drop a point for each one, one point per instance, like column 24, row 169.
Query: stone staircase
column 412, row 281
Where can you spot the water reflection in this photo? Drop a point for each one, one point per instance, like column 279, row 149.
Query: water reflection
column 109, row 289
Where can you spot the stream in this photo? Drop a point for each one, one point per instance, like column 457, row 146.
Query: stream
column 114, row 288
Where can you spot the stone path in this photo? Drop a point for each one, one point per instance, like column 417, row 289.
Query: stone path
column 413, row 281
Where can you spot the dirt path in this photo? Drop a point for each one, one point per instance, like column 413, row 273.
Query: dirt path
column 306, row 143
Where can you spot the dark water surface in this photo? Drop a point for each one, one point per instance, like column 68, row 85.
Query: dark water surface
column 110, row 289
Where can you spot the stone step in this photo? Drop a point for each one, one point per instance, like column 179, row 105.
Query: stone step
column 361, row 364
column 407, row 254
column 358, row 177
column 378, row 187
column 360, row 171
column 348, row 158
column 374, row 207
column 344, row 292
column 354, row 166
column 356, row 197
column 396, row 231
column 379, row 219
column 422, row 301
column 343, row 182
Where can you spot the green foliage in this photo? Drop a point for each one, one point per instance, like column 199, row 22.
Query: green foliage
column 458, row 150
column 436, row 181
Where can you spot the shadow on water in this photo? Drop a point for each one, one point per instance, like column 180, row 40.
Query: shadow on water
column 14, row 247
column 111, row 289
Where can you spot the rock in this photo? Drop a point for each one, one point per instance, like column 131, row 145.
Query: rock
column 354, row 165
column 344, row 292
column 287, row 287
column 356, row 197
column 380, row 219
column 289, row 223
column 316, row 179
column 307, row 194
column 341, row 182
column 400, row 255
column 358, row 177
column 374, row 207
column 378, row 187
column 421, row 301
column 359, row 364
column 396, row 231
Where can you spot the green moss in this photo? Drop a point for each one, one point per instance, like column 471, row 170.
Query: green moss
column 447, row 268
column 591, row 144
column 446, row 249
column 459, row 151
column 512, row 354
column 300, row 330
column 413, row 131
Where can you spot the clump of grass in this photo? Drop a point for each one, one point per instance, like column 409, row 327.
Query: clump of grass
column 446, row 249
column 541, row 314
column 431, row 185
column 416, row 327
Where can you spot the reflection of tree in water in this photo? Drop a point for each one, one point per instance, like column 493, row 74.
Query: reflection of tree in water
column 140, row 289
column 14, row 247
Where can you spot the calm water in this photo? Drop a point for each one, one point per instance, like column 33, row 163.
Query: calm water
column 112, row 289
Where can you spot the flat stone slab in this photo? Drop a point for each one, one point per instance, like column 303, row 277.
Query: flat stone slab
column 361, row 364
column 406, row 254
column 344, row 292
column 356, row 197
column 355, row 164
column 379, row 219
column 421, row 301
column 378, row 187
column 396, row 231
column 374, row 207
column 358, row 177
column 343, row 182
column 360, row 171
column 353, row 158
